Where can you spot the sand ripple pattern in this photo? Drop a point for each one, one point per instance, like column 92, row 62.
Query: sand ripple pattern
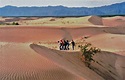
column 19, row 62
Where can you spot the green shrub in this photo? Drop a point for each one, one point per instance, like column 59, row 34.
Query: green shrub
column 15, row 23
column 88, row 52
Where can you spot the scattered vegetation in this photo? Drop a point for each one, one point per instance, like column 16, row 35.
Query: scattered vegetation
column 15, row 23
column 88, row 51
column 12, row 23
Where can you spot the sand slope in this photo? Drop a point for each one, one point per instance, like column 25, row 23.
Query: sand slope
column 20, row 62
column 111, row 42
column 35, row 33
column 110, row 65
column 114, row 21
column 69, row 61
column 95, row 20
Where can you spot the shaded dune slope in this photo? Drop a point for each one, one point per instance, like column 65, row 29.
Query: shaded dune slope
column 95, row 20
column 109, row 65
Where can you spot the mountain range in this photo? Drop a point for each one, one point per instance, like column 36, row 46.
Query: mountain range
column 114, row 9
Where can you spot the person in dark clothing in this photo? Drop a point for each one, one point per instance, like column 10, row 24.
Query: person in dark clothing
column 73, row 44
column 67, row 46
column 62, row 44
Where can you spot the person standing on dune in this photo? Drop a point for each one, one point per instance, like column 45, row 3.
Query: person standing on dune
column 59, row 45
column 73, row 44
column 67, row 46
column 62, row 44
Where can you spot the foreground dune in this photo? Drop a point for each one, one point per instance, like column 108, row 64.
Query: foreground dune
column 34, row 62
column 111, row 66
column 67, row 60
column 19, row 62
column 23, row 63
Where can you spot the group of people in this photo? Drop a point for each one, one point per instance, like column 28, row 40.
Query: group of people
column 64, row 44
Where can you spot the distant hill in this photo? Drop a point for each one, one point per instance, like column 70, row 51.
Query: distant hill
column 114, row 9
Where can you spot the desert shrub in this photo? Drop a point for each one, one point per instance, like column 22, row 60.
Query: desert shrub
column 15, row 23
column 88, row 51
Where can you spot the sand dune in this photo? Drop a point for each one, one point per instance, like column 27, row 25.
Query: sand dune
column 35, row 34
column 95, row 20
column 15, row 34
column 114, row 22
column 109, row 42
column 19, row 62
column 111, row 60
column 110, row 65
column 117, row 21
column 92, row 31
column 23, row 63
column 23, row 57
column 67, row 60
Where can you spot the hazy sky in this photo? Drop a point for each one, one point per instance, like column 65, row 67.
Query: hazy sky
column 69, row 3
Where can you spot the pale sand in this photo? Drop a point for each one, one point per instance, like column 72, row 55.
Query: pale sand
column 109, row 42
column 116, row 21
column 57, row 21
